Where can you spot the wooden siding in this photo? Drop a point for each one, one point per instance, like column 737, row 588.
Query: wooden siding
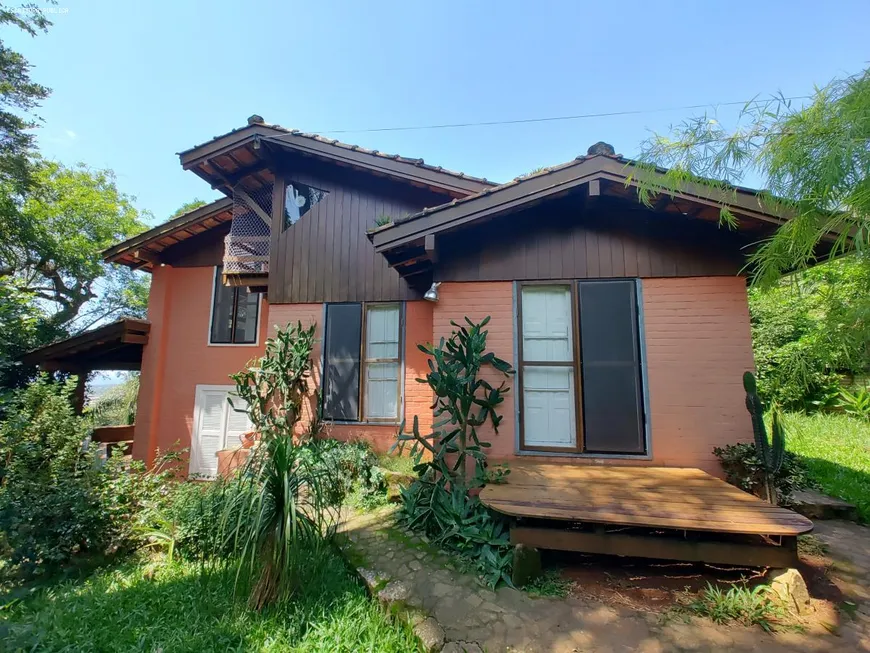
column 326, row 256
column 203, row 250
column 606, row 239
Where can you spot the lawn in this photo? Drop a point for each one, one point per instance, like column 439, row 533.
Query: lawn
column 836, row 449
column 157, row 606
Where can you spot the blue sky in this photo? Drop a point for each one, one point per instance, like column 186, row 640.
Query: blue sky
column 135, row 82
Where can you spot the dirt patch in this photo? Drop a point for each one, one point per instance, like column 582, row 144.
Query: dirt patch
column 658, row 586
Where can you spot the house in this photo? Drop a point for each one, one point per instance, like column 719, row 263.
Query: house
column 628, row 325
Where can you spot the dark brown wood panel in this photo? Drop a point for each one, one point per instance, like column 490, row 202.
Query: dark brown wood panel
column 327, row 256
column 202, row 250
column 609, row 239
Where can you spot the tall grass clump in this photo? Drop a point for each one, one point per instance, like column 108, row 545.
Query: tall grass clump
column 281, row 509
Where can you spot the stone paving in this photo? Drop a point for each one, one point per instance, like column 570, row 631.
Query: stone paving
column 475, row 618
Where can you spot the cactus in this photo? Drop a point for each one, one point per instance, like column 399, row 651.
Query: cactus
column 770, row 452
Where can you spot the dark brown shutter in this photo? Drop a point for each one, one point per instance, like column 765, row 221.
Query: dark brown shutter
column 342, row 361
column 610, row 363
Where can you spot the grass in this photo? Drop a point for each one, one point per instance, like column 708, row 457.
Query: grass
column 746, row 606
column 549, row 584
column 836, row 450
column 182, row 607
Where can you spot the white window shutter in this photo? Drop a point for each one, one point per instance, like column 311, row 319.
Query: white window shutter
column 210, row 428
column 237, row 423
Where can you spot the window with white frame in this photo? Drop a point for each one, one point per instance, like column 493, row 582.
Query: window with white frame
column 362, row 362
column 235, row 314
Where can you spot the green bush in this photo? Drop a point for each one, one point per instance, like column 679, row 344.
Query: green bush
column 57, row 501
column 809, row 330
column 744, row 469
column 50, row 500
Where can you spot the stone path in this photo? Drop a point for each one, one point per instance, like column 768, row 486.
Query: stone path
column 475, row 618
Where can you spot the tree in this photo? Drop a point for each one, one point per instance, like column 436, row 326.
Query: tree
column 19, row 96
column 53, row 251
column 187, row 207
column 813, row 159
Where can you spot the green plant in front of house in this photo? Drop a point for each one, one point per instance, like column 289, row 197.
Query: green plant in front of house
column 756, row 606
column 744, row 469
column 770, row 452
column 286, row 498
column 452, row 458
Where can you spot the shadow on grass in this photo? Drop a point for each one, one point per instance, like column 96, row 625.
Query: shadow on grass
column 185, row 607
column 842, row 482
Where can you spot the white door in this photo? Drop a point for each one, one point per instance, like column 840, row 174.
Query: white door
column 216, row 426
column 548, row 390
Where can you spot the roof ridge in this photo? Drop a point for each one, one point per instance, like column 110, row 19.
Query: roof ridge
column 418, row 162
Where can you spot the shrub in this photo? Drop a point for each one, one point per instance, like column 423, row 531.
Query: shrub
column 856, row 404
column 438, row 502
column 56, row 500
column 744, row 469
column 50, row 504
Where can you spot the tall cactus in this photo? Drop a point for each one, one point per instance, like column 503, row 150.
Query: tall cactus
column 770, row 452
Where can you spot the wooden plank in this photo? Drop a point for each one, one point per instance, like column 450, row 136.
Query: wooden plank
column 639, row 546
column 649, row 521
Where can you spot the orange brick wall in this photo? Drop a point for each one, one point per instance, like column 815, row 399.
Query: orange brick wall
column 698, row 344
column 476, row 301
column 178, row 357
column 418, row 398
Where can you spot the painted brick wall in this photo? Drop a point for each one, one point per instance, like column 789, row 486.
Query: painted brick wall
column 476, row 301
column 178, row 357
column 418, row 398
column 698, row 345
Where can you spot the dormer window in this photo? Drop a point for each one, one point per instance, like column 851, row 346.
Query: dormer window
column 299, row 199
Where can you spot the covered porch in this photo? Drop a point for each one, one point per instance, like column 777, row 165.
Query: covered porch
column 670, row 513
column 116, row 346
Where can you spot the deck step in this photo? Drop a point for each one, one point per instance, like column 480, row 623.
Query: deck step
column 816, row 505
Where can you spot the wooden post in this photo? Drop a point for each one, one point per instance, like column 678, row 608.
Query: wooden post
column 79, row 394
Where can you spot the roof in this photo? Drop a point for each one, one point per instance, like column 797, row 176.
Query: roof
column 610, row 169
column 142, row 251
column 247, row 141
column 115, row 346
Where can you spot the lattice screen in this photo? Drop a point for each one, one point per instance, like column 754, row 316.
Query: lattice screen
column 247, row 245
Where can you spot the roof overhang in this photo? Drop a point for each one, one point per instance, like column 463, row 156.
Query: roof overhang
column 115, row 346
column 143, row 252
column 255, row 151
column 594, row 175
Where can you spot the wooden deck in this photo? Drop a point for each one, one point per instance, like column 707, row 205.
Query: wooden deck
column 683, row 501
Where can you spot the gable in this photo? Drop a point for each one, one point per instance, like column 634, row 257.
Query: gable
column 326, row 255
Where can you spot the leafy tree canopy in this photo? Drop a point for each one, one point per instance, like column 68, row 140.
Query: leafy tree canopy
column 813, row 160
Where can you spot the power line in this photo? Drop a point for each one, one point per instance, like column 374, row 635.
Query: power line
column 581, row 116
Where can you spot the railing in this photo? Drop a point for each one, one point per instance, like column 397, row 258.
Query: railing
column 115, row 437
column 246, row 254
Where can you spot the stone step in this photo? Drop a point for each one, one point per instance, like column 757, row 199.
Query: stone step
column 816, row 505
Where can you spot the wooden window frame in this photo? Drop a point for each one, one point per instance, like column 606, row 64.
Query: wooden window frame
column 400, row 384
column 233, row 316
column 573, row 364
column 365, row 362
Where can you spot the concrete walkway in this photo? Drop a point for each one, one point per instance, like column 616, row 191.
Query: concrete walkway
column 509, row 620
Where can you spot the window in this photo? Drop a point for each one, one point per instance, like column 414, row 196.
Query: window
column 581, row 387
column 362, row 362
column 235, row 314
column 299, row 199
column 548, row 367
column 216, row 426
